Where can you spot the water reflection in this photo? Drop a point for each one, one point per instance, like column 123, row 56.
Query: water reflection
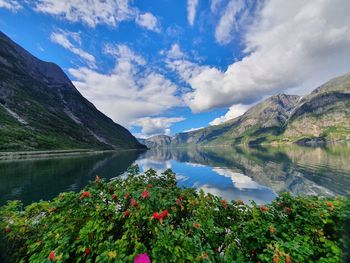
column 33, row 180
column 257, row 174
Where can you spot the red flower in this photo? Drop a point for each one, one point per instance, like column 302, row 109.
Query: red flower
column 264, row 208
column 127, row 213
column 85, row 195
column 114, row 196
column 197, row 225
column 224, row 203
column 164, row 214
column 155, row 215
column 160, row 216
column 97, row 179
column 178, row 201
column 276, row 258
column 127, row 196
column 87, row 251
column 133, row 202
column 142, row 258
column 288, row 259
column 330, row 204
column 181, row 197
column 149, row 186
column 145, row 194
column 52, row 255
column 288, row 210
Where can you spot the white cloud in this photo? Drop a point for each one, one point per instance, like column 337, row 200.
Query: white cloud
column 148, row 21
column 193, row 129
column 12, row 5
column 96, row 12
column 191, row 10
column 290, row 47
column 130, row 91
column 64, row 38
column 214, row 5
column 233, row 112
column 155, row 126
column 228, row 21
column 239, row 180
column 175, row 52
column 124, row 54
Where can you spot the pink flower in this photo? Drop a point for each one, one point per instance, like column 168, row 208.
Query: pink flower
column 142, row 258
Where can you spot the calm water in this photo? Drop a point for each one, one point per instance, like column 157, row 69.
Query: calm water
column 257, row 174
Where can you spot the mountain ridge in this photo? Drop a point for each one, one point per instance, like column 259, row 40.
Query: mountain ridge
column 41, row 109
column 316, row 118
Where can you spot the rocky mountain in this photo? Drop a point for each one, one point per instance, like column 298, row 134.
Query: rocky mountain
column 320, row 117
column 156, row 141
column 267, row 117
column 41, row 109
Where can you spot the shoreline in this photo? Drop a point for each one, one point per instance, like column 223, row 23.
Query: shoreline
column 44, row 154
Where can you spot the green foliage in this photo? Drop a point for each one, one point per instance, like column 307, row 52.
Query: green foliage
column 147, row 213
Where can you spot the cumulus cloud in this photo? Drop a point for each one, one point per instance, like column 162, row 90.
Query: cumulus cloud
column 148, row 21
column 11, row 5
column 191, row 10
column 233, row 112
column 64, row 38
column 290, row 47
column 95, row 12
column 129, row 92
column 155, row 126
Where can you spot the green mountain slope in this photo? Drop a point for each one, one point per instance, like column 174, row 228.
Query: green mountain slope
column 41, row 109
column 322, row 116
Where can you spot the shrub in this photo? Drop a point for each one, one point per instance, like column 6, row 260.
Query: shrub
column 148, row 215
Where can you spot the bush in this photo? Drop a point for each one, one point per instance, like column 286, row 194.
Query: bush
column 147, row 213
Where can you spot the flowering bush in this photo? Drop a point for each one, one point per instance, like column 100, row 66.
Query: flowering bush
column 147, row 217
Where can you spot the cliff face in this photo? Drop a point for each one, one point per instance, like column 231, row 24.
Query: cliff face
column 41, row 109
column 324, row 113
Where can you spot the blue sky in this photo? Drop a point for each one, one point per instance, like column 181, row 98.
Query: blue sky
column 169, row 66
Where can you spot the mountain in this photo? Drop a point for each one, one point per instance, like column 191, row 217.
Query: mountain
column 320, row 117
column 156, row 141
column 323, row 114
column 41, row 109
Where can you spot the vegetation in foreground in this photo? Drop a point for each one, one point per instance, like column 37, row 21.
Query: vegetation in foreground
column 147, row 216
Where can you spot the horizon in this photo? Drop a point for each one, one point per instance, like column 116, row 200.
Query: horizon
column 169, row 68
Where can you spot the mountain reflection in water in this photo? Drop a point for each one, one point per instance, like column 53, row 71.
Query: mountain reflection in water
column 258, row 174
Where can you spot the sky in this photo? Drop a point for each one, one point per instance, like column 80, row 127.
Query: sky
column 169, row 66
